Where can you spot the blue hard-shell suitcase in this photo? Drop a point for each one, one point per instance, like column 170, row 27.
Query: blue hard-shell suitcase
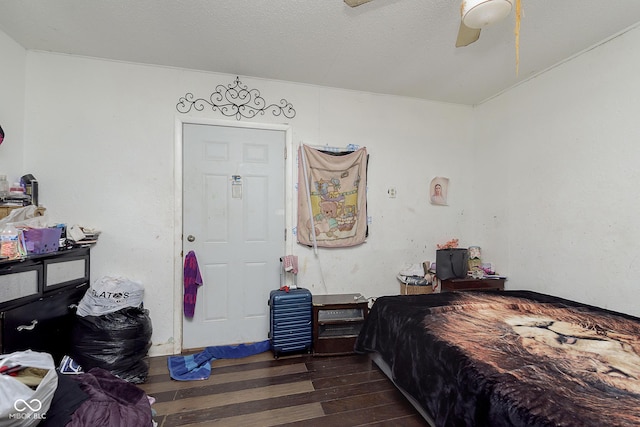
column 290, row 321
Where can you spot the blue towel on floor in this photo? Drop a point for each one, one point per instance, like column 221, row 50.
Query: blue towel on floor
column 198, row 366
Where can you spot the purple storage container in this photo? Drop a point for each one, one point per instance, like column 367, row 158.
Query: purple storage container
column 42, row 240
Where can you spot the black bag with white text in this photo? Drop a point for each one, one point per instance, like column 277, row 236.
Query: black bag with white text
column 117, row 342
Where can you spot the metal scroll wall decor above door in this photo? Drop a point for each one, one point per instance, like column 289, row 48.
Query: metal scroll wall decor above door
column 237, row 100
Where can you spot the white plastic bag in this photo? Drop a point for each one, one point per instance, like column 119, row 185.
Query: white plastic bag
column 19, row 404
column 25, row 217
column 110, row 294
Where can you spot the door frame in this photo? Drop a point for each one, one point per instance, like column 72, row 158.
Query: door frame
column 179, row 221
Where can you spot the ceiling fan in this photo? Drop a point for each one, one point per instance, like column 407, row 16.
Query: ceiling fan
column 474, row 15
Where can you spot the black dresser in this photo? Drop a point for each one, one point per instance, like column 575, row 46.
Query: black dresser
column 38, row 300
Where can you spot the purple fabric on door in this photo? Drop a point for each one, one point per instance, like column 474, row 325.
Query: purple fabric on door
column 192, row 280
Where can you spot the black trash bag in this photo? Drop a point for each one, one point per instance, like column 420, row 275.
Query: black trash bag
column 117, row 342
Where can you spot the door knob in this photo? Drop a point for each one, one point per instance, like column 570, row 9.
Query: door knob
column 191, row 238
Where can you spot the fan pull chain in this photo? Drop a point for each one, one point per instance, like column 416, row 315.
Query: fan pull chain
column 517, row 33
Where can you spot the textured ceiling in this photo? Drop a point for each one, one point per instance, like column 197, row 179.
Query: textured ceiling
column 401, row 47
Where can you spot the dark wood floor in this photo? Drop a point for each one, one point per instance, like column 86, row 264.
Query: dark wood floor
column 296, row 390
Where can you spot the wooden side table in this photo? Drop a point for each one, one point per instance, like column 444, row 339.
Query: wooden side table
column 337, row 320
column 471, row 284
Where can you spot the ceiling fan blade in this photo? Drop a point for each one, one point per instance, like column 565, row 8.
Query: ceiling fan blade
column 354, row 3
column 466, row 35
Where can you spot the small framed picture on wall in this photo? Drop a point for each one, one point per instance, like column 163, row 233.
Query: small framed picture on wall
column 438, row 191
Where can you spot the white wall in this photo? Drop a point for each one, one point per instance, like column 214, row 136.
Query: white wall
column 12, row 81
column 542, row 177
column 559, row 187
column 101, row 140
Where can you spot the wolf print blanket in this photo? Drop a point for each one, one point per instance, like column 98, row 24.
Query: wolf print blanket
column 332, row 199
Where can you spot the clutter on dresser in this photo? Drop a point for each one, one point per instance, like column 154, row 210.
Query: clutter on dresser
column 451, row 260
column 21, row 193
column 19, row 211
column 415, row 278
column 20, row 214
column 10, row 245
column 458, row 268
column 413, row 274
column 479, row 269
column 26, row 231
column 41, row 240
column 12, row 239
column 82, row 236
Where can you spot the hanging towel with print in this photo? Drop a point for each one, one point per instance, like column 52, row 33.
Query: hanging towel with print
column 332, row 198
column 290, row 264
column 192, row 280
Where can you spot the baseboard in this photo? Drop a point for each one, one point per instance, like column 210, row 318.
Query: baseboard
column 164, row 349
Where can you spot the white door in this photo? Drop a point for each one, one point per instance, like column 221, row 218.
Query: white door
column 233, row 219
